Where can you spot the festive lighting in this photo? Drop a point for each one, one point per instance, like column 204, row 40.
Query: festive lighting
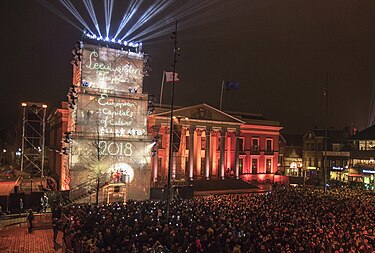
column 113, row 40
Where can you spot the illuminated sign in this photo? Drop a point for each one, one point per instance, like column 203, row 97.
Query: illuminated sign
column 337, row 168
column 111, row 116
column 115, row 148
column 111, row 69
column 369, row 171
column 134, row 153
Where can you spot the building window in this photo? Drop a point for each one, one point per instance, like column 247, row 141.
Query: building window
column 280, row 160
column 371, row 145
column 255, row 144
column 268, row 165
column 269, row 145
column 241, row 141
column 254, row 166
column 362, row 145
column 160, row 141
column 160, row 161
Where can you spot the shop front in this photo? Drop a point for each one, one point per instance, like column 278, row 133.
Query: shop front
column 368, row 179
column 339, row 174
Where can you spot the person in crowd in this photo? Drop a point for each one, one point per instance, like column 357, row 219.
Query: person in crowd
column 41, row 204
column 30, row 218
column 45, row 202
column 282, row 221
column 56, row 221
column 21, row 206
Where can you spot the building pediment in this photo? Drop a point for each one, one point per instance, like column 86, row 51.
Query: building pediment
column 202, row 112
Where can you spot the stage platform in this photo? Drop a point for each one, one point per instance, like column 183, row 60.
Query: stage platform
column 221, row 185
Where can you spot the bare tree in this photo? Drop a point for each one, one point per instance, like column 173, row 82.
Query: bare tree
column 93, row 162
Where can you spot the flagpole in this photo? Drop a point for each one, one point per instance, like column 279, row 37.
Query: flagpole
column 221, row 94
column 162, row 88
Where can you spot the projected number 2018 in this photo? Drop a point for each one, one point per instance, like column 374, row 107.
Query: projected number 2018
column 114, row 148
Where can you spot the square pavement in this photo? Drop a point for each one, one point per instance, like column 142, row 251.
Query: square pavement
column 16, row 239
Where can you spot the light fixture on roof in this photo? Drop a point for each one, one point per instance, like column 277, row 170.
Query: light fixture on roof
column 113, row 40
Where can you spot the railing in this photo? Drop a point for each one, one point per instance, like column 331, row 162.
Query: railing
column 254, row 150
column 269, row 152
column 88, row 187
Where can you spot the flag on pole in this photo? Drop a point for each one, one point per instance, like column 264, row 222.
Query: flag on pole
column 169, row 77
column 231, row 85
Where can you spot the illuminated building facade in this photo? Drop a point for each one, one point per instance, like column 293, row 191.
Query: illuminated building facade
column 212, row 144
column 362, row 158
column 292, row 162
column 107, row 136
column 106, row 139
column 337, row 167
column 58, row 124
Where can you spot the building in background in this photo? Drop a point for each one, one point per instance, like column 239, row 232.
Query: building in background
column 337, row 154
column 57, row 123
column 102, row 134
column 212, row 144
column 292, row 158
column 362, row 155
column 107, row 140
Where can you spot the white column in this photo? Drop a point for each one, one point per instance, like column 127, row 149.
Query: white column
column 236, row 155
column 191, row 152
column 222, row 153
column 207, row 153
column 228, row 153
column 198, row 149
column 215, row 166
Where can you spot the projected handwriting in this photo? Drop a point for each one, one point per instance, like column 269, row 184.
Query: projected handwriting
column 113, row 74
column 115, row 148
column 103, row 101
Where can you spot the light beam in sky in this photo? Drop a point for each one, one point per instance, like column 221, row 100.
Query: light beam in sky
column 70, row 7
column 148, row 15
column 90, row 9
column 132, row 9
column 108, row 8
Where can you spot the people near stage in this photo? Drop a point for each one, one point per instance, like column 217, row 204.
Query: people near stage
column 284, row 220
column 30, row 218
column 21, row 206
column 43, row 203
column 56, row 221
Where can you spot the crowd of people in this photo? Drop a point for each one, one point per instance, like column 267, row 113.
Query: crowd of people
column 285, row 220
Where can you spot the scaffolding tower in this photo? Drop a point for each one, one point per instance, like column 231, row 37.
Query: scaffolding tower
column 33, row 138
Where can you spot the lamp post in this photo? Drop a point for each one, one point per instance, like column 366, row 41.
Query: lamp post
column 325, row 93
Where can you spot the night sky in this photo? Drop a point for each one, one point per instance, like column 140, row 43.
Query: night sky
column 279, row 51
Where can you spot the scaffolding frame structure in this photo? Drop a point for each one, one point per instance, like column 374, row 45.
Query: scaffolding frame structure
column 33, row 138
